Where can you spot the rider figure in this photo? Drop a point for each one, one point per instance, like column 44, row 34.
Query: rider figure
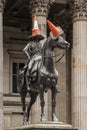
column 33, row 47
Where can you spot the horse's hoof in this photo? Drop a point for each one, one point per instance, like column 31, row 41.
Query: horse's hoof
column 43, row 118
column 26, row 122
column 54, row 118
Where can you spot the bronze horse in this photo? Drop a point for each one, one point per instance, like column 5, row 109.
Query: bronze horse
column 46, row 78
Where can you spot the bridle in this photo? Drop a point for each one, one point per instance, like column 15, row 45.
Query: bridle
column 62, row 55
column 56, row 56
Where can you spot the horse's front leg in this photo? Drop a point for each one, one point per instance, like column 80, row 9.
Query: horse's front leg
column 42, row 103
column 54, row 94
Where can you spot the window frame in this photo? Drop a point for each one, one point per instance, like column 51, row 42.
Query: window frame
column 14, row 60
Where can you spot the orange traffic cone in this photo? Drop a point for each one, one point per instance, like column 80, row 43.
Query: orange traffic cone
column 35, row 31
column 55, row 32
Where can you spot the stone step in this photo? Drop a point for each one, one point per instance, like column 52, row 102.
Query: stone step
column 45, row 126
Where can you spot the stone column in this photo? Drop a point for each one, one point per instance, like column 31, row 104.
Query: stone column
column 79, row 65
column 40, row 8
column 1, row 65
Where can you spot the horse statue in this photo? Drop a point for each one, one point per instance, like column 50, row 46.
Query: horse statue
column 43, row 78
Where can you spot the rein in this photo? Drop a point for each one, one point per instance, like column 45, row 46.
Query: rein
column 60, row 58
column 56, row 56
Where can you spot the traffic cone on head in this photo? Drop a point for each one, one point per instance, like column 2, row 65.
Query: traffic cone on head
column 35, row 31
column 55, row 32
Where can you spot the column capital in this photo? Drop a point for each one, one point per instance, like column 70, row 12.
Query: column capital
column 80, row 10
column 2, row 5
column 40, row 7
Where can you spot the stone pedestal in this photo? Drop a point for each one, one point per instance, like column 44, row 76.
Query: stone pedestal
column 45, row 126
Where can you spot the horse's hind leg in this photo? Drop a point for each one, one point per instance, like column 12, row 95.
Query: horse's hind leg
column 54, row 94
column 33, row 96
column 42, row 103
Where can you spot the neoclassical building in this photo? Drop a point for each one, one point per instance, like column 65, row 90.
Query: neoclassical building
column 15, row 27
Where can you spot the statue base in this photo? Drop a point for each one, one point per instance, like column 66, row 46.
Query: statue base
column 45, row 126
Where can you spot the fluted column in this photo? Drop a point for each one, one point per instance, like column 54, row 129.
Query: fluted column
column 40, row 8
column 1, row 65
column 79, row 65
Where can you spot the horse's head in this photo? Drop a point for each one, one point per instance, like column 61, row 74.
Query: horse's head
column 59, row 42
column 56, row 39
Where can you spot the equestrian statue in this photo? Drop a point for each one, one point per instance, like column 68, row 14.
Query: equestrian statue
column 39, row 74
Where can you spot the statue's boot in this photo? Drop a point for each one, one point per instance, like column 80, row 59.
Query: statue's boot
column 28, row 77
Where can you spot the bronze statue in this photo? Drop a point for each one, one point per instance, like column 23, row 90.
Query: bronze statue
column 42, row 74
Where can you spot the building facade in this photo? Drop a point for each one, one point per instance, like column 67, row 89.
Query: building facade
column 15, row 26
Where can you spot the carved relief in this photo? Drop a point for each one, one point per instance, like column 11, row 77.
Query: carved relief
column 40, row 7
column 2, row 5
column 80, row 9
